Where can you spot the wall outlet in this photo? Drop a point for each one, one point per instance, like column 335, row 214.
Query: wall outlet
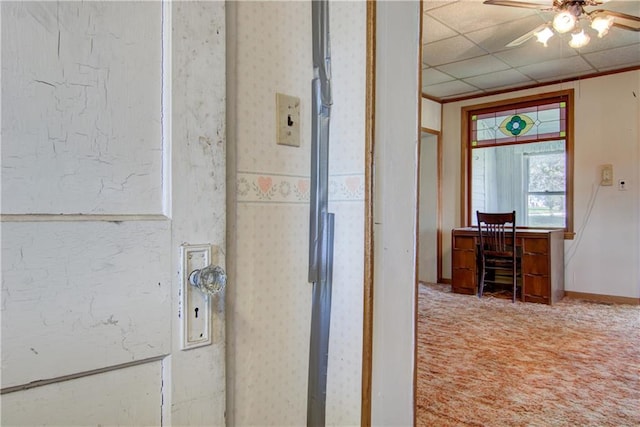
column 622, row 184
column 287, row 120
column 606, row 175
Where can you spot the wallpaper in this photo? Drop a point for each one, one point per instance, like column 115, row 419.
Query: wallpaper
column 278, row 188
column 270, row 303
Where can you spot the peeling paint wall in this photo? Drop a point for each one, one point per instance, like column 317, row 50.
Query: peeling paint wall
column 69, row 110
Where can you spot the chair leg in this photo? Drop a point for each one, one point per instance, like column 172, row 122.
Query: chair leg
column 515, row 282
column 481, row 283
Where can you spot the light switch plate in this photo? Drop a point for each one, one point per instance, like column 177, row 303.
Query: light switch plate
column 287, row 120
column 606, row 175
column 195, row 306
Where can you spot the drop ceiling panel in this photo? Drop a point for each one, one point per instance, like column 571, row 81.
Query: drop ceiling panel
column 430, row 5
column 557, row 69
column 535, row 53
column 455, row 87
column 462, row 16
column 631, row 7
column 433, row 30
column 450, row 50
column 473, row 67
column 434, row 76
column 499, row 80
column 622, row 56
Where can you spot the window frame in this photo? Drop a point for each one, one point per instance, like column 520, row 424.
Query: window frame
column 468, row 111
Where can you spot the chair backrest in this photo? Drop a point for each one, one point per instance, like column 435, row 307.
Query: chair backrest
column 497, row 231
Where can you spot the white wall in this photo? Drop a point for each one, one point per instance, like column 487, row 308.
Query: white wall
column 269, row 298
column 428, row 209
column 431, row 114
column 395, row 157
column 603, row 257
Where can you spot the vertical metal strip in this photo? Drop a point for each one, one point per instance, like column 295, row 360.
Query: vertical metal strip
column 315, row 206
column 321, row 111
column 321, row 323
column 321, row 222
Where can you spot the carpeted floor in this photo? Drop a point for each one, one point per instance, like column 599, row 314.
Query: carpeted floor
column 490, row 362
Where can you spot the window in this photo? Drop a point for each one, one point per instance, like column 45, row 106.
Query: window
column 545, row 205
column 519, row 156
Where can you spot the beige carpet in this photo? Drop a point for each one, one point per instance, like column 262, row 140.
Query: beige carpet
column 490, row 362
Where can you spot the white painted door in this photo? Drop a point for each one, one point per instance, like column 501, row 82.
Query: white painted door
column 113, row 154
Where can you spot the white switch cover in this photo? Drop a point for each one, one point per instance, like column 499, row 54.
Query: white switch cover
column 287, row 120
column 606, row 175
column 195, row 306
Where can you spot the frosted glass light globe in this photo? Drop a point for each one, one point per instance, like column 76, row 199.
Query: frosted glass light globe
column 564, row 22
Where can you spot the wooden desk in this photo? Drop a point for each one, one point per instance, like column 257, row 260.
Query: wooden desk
column 542, row 263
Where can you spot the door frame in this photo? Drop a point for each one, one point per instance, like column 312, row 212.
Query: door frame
column 369, row 262
column 370, row 120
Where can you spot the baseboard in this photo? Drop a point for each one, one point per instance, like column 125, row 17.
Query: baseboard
column 611, row 299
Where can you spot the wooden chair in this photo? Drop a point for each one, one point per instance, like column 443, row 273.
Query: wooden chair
column 497, row 251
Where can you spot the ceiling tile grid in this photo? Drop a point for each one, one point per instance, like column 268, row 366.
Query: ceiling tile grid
column 464, row 48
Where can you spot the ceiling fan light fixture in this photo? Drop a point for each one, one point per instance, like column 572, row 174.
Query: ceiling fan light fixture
column 579, row 39
column 544, row 35
column 564, row 22
column 602, row 24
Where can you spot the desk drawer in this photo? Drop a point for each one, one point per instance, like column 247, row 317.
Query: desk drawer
column 535, row 264
column 536, row 286
column 463, row 281
column 464, row 242
column 464, row 259
column 535, row 246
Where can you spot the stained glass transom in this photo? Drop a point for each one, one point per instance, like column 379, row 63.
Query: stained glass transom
column 519, row 125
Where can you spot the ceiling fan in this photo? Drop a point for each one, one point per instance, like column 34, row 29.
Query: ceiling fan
column 568, row 17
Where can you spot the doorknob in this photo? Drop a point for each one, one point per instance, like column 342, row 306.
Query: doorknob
column 202, row 278
column 210, row 280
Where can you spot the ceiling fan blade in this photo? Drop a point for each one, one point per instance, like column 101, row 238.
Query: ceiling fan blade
column 625, row 27
column 520, row 40
column 616, row 14
column 514, row 3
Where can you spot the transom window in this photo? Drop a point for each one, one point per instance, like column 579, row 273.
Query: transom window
column 519, row 157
